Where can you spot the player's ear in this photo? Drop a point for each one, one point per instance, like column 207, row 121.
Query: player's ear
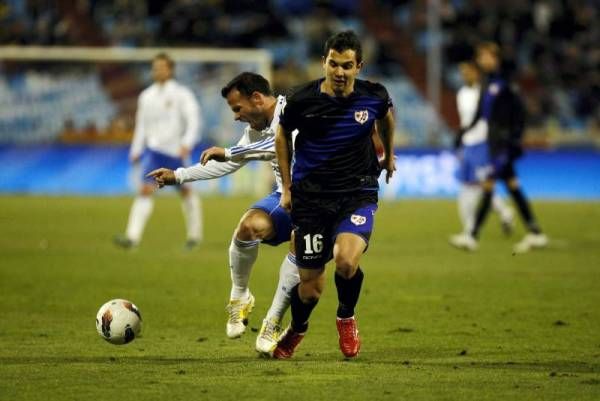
column 359, row 65
column 257, row 98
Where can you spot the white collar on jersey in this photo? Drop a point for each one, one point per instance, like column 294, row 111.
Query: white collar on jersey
column 278, row 109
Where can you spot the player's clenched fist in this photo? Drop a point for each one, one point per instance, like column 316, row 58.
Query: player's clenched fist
column 163, row 176
column 213, row 153
column 286, row 200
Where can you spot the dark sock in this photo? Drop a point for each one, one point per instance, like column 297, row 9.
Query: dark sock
column 482, row 212
column 348, row 292
column 300, row 311
column 525, row 210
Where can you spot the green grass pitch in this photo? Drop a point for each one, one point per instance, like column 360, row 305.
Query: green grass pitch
column 436, row 323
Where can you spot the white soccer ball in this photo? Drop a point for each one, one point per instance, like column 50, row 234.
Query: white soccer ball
column 119, row 321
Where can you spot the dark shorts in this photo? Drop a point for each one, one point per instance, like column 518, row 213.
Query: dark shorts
column 151, row 160
column 280, row 218
column 318, row 220
column 503, row 168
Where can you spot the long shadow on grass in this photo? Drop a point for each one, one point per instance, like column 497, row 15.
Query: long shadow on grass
column 366, row 359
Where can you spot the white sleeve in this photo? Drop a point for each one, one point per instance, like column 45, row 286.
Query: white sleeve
column 139, row 139
column 192, row 117
column 212, row 169
column 262, row 150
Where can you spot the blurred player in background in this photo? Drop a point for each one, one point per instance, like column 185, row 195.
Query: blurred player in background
column 332, row 187
column 473, row 158
column 501, row 115
column 167, row 123
column 251, row 100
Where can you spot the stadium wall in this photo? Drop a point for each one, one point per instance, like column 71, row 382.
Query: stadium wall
column 105, row 170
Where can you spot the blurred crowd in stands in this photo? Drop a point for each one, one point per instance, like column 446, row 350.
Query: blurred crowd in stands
column 551, row 46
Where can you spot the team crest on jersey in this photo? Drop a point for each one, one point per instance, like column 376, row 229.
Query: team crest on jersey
column 358, row 220
column 494, row 89
column 361, row 116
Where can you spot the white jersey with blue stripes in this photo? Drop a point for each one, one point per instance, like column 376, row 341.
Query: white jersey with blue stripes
column 253, row 145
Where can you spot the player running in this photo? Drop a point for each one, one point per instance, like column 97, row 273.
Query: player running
column 251, row 100
column 332, row 187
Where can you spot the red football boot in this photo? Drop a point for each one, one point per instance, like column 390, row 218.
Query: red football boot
column 287, row 344
column 349, row 339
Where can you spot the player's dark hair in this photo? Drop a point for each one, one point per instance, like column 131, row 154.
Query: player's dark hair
column 167, row 58
column 342, row 41
column 248, row 83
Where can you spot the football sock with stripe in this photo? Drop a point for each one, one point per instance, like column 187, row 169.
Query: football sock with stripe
column 288, row 279
column 242, row 255
column 348, row 291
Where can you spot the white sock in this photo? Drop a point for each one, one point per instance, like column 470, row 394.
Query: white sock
column 468, row 198
column 192, row 213
column 138, row 216
column 288, row 278
column 242, row 255
column 500, row 207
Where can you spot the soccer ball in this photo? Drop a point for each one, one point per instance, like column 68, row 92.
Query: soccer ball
column 119, row 321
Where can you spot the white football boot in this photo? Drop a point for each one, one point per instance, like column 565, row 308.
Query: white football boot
column 531, row 241
column 238, row 310
column 464, row 241
column 267, row 338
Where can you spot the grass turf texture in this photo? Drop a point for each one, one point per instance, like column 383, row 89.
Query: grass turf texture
column 436, row 323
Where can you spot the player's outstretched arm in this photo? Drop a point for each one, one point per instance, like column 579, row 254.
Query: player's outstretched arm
column 385, row 127
column 282, row 150
column 163, row 176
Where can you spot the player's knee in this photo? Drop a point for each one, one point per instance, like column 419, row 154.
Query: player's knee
column 185, row 191
column 147, row 190
column 246, row 231
column 345, row 265
column 488, row 186
column 251, row 229
column 255, row 225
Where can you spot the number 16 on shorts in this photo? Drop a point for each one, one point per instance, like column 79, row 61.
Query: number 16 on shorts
column 313, row 244
column 312, row 249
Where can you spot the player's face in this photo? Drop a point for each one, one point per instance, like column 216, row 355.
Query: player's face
column 247, row 109
column 469, row 74
column 161, row 71
column 341, row 70
column 487, row 61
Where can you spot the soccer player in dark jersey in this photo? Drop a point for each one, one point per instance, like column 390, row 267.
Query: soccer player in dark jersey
column 502, row 110
column 331, row 184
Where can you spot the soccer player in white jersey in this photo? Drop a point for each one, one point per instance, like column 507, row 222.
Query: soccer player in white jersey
column 250, row 98
column 473, row 161
column 166, row 129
